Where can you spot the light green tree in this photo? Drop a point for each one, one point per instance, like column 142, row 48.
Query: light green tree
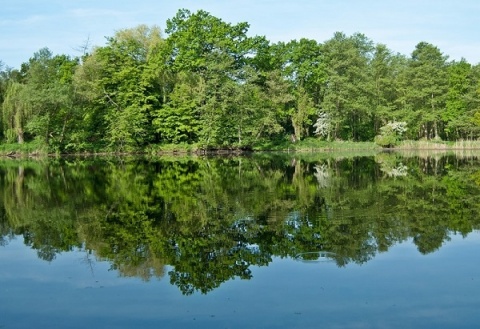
column 114, row 80
column 48, row 93
column 15, row 112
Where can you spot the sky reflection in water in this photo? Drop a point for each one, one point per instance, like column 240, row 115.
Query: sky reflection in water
column 398, row 289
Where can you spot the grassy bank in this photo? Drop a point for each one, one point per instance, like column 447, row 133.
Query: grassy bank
column 25, row 149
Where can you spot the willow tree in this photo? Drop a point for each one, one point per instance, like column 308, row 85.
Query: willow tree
column 49, row 95
column 15, row 112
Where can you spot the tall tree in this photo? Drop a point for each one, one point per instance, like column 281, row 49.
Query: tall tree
column 427, row 89
column 347, row 91
column 3, row 82
column 114, row 78
column 218, row 53
column 473, row 100
column 384, row 70
column 457, row 113
column 304, row 67
column 13, row 105
column 178, row 120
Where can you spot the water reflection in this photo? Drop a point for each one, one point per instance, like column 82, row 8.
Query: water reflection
column 209, row 220
column 315, row 257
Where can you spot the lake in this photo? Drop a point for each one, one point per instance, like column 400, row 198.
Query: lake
column 270, row 241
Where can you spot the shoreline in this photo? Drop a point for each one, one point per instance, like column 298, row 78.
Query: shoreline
column 306, row 146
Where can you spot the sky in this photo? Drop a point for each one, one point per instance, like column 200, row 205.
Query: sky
column 65, row 26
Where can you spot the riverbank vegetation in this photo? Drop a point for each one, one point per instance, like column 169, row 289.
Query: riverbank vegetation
column 206, row 84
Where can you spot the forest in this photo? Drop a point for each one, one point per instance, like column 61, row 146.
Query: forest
column 206, row 83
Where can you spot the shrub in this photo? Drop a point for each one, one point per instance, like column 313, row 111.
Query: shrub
column 391, row 134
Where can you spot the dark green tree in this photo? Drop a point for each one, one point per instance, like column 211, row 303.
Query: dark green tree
column 347, row 95
column 427, row 89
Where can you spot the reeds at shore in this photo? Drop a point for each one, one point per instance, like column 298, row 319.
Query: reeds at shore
column 439, row 145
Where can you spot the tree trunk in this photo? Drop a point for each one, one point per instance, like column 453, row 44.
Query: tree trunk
column 20, row 138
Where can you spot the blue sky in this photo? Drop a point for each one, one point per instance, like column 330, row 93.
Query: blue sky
column 65, row 25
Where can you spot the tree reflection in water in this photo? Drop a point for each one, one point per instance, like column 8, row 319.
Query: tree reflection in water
column 212, row 219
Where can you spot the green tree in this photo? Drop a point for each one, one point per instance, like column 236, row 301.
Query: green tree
column 115, row 80
column 427, row 89
column 384, row 70
column 15, row 112
column 49, row 95
column 347, row 90
column 178, row 120
column 304, row 66
column 473, row 100
column 218, row 55
column 457, row 112
column 3, row 82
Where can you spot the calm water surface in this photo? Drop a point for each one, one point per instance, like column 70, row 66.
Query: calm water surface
column 384, row 241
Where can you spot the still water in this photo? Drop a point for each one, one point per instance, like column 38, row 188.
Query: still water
column 311, row 241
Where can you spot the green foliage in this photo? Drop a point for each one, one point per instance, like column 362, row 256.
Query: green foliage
column 427, row 88
column 346, row 95
column 48, row 93
column 210, row 84
column 386, row 139
column 178, row 120
column 114, row 84
column 15, row 112
column 391, row 134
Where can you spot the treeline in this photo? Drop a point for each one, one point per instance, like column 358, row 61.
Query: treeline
column 209, row 84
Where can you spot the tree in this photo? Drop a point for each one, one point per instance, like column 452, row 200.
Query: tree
column 304, row 67
column 460, row 106
column 427, row 89
column 197, row 38
column 258, row 108
column 49, row 95
column 384, row 71
column 473, row 100
column 323, row 125
column 15, row 112
column 347, row 90
column 217, row 54
column 114, row 79
column 13, row 105
column 3, row 82
column 391, row 133
column 178, row 119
